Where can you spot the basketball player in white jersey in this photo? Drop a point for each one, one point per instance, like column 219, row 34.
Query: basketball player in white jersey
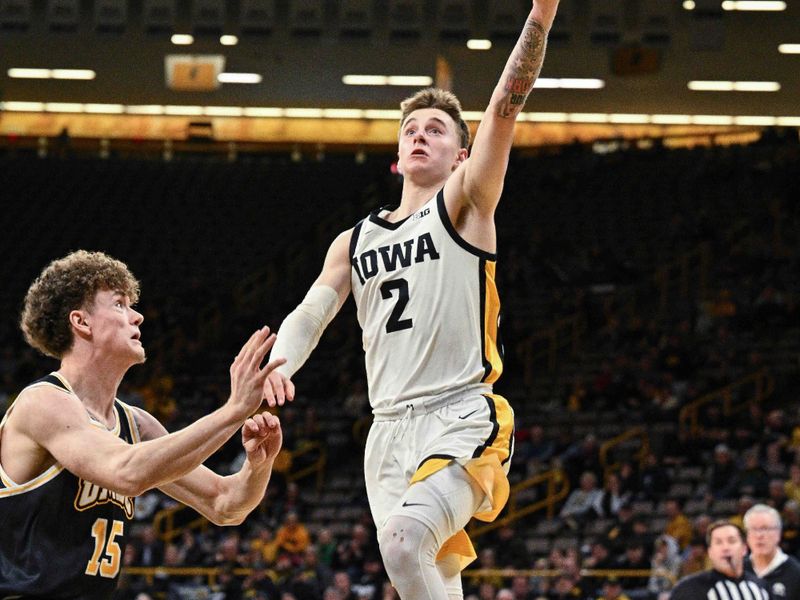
column 422, row 275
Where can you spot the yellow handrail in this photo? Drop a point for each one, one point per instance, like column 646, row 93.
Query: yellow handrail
column 687, row 270
column 557, row 489
column 211, row 573
column 564, row 333
column 167, row 530
column 317, row 467
column 679, row 271
column 762, row 381
column 635, row 432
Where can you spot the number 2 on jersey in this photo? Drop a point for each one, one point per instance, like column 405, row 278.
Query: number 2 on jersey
column 395, row 323
column 109, row 566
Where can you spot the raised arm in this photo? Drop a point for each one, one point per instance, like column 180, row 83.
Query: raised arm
column 302, row 328
column 57, row 422
column 480, row 182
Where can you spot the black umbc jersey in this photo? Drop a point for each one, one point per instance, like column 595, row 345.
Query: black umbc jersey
column 782, row 582
column 60, row 536
column 713, row 585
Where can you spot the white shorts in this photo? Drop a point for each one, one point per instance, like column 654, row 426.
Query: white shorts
column 471, row 427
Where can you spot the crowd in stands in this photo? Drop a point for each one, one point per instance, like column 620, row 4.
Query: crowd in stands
column 580, row 233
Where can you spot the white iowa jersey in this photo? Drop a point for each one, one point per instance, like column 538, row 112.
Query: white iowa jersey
column 427, row 304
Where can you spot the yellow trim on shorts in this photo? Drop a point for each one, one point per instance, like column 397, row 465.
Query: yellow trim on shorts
column 491, row 315
column 489, row 470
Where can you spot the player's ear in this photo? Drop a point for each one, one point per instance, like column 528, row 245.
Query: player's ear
column 77, row 319
column 462, row 155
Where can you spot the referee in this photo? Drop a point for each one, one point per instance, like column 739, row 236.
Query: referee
column 726, row 580
column 779, row 572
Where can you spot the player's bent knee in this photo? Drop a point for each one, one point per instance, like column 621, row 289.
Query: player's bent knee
column 405, row 545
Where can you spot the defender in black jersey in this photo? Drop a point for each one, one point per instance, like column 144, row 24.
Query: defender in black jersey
column 65, row 536
column 779, row 572
column 70, row 459
column 726, row 580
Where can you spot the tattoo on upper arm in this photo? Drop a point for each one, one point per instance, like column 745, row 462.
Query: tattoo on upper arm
column 522, row 69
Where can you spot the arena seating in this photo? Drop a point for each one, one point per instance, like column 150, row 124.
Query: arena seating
column 222, row 247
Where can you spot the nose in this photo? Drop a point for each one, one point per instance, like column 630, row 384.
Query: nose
column 138, row 318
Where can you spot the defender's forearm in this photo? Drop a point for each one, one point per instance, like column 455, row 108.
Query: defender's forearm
column 159, row 461
column 243, row 491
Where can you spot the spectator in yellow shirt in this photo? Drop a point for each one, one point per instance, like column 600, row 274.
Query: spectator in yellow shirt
column 678, row 526
column 292, row 537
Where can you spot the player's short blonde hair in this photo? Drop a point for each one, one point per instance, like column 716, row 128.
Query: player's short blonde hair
column 68, row 284
column 444, row 101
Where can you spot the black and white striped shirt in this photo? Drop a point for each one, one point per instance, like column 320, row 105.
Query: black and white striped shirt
column 713, row 585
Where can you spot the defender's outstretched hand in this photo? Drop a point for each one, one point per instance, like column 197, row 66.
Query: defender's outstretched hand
column 262, row 438
column 278, row 389
column 247, row 376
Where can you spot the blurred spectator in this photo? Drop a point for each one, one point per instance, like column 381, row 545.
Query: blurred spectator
column 613, row 497
column 535, row 450
column 775, row 461
column 776, row 497
column 654, row 479
column 370, row 584
column 521, row 588
column 696, row 558
column 743, row 504
column 259, row 582
column 510, row 548
column 583, row 503
column 353, row 551
column 723, row 472
column 665, row 565
column 341, row 583
column 636, row 556
column 628, row 479
column 612, row 590
column 752, row 479
column 265, row 544
column 565, row 587
column 229, row 551
column 148, row 549
column 678, row 526
column 326, row 546
column 227, row 584
column 292, row 537
column 599, row 559
column 581, row 457
column 486, row 560
column 311, row 577
column 790, row 538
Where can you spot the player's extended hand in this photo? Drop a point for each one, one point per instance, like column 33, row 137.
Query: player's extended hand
column 262, row 438
column 545, row 12
column 247, row 375
column 278, row 389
